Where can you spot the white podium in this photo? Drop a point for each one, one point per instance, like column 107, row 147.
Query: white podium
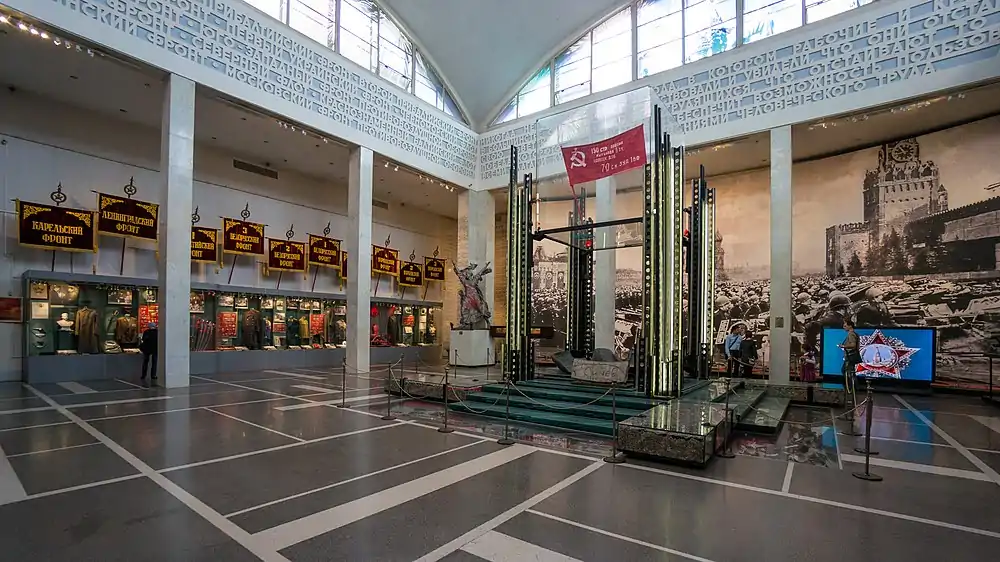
column 471, row 348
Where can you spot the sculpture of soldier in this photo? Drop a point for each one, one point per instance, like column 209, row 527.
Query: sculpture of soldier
column 474, row 311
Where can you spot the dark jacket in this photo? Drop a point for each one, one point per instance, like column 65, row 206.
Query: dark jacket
column 149, row 341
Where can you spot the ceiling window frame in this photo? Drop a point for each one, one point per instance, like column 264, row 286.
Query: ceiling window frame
column 634, row 6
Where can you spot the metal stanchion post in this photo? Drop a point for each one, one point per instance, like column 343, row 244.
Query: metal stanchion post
column 343, row 384
column 445, row 428
column 869, row 408
column 726, row 452
column 615, row 457
column 867, row 474
column 506, row 440
column 388, row 397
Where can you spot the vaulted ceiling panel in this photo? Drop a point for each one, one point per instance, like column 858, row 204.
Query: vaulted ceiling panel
column 484, row 48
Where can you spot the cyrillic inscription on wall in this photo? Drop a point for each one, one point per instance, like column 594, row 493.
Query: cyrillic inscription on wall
column 230, row 38
column 850, row 58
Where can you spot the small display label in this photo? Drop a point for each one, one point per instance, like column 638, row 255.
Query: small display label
column 120, row 216
column 242, row 237
column 411, row 274
column 56, row 228
column 286, row 255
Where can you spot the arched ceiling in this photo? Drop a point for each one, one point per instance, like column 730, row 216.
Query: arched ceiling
column 485, row 48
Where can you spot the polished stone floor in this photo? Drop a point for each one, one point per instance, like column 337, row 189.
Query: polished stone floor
column 264, row 466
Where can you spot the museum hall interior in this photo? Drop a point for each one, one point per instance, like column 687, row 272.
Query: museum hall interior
column 472, row 280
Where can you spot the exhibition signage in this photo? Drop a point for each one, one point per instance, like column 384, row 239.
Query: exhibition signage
column 317, row 324
column 286, row 255
column 323, row 251
column 433, row 269
column 385, row 261
column 904, row 354
column 411, row 274
column 602, row 159
column 204, row 244
column 148, row 314
column 227, row 324
column 242, row 237
column 121, row 216
column 343, row 265
column 56, row 228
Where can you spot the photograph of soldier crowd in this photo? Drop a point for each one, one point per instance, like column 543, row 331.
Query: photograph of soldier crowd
column 909, row 235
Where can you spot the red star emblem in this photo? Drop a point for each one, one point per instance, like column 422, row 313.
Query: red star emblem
column 883, row 356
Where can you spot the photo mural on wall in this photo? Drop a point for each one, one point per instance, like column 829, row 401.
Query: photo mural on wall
column 904, row 234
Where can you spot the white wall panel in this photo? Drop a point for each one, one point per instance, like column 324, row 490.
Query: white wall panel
column 229, row 46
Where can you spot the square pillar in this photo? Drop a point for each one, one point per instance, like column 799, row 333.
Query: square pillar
column 781, row 254
column 174, row 279
column 477, row 238
column 359, row 255
column 605, row 266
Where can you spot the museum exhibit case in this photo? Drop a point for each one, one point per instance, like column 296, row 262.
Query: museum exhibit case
column 86, row 327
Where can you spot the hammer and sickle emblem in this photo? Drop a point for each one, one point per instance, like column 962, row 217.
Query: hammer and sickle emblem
column 578, row 159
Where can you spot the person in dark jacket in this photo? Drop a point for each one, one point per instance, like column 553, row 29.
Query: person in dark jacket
column 148, row 348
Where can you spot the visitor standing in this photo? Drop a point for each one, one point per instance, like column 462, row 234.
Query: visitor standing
column 148, row 347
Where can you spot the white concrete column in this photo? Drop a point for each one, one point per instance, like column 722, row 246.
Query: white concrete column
column 781, row 253
column 174, row 282
column 477, row 238
column 359, row 255
column 605, row 266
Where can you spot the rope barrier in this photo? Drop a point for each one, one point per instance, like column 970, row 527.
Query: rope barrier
column 360, row 372
column 554, row 407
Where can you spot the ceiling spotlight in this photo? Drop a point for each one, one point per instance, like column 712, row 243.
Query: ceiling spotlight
column 56, row 41
column 3, row 19
column 386, row 165
column 293, row 128
column 45, row 35
column 396, row 169
column 33, row 31
column 303, row 132
column 22, row 27
column 326, row 141
column 68, row 45
column 79, row 49
column 90, row 52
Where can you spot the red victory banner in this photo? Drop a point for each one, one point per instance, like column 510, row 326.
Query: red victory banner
column 602, row 159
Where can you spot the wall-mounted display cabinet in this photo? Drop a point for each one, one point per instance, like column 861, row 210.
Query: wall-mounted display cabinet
column 84, row 327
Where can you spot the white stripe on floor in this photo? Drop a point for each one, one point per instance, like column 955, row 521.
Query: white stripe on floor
column 324, row 390
column 498, row 547
column 258, row 426
column 11, row 489
column 992, row 423
column 298, row 375
column 262, row 551
column 620, row 537
column 328, row 402
column 917, row 467
column 318, row 372
column 985, row 468
column 294, row 532
column 355, row 479
column 76, row 388
column 786, row 484
column 85, row 405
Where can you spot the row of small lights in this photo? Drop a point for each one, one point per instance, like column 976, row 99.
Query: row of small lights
column 395, row 167
column 898, row 109
column 34, row 31
column 423, row 178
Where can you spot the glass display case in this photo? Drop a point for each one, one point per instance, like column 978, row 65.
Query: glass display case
column 404, row 324
column 69, row 318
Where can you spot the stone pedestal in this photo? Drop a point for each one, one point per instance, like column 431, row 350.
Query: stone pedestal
column 471, row 348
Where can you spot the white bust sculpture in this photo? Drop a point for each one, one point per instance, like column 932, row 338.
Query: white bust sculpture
column 65, row 324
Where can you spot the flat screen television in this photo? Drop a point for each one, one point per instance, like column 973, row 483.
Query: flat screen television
column 904, row 355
